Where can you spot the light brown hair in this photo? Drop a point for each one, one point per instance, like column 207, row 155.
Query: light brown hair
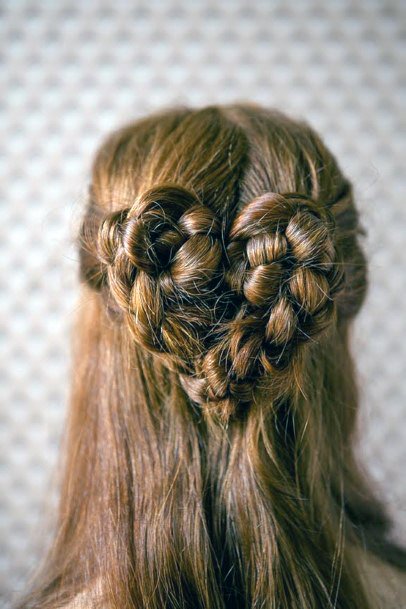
column 209, row 459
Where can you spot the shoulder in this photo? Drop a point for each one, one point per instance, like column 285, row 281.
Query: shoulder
column 87, row 599
column 385, row 583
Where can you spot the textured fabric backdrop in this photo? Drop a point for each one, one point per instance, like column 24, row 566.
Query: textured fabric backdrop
column 72, row 71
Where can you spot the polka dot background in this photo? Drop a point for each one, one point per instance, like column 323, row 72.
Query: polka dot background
column 72, row 71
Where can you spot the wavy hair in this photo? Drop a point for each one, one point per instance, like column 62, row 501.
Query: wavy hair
column 209, row 454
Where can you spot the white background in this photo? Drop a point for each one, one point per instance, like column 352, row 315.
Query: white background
column 72, row 71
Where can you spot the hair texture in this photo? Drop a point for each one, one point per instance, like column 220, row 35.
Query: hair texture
column 209, row 460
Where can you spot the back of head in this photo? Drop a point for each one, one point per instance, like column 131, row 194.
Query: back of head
column 228, row 242
column 209, row 459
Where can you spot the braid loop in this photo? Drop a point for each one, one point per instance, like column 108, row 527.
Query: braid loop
column 163, row 258
column 284, row 269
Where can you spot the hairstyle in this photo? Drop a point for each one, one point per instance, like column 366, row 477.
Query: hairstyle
column 209, row 454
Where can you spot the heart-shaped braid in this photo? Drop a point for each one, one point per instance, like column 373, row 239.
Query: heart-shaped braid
column 284, row 271
column 225, row 311
column 163, row 259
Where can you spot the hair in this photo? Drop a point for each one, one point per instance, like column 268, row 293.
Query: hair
column 209, row 454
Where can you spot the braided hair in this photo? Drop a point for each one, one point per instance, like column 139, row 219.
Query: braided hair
column 225, row 308
column 214, row 398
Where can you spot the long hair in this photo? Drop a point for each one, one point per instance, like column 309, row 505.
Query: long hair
column 209, row 459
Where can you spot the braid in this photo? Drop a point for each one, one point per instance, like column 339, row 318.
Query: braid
column 163, row 260
column 284, row 263
column 283, row 269
column 224, row 310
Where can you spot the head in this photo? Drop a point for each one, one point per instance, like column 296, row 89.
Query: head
column 226, row 241
column 209, row 453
